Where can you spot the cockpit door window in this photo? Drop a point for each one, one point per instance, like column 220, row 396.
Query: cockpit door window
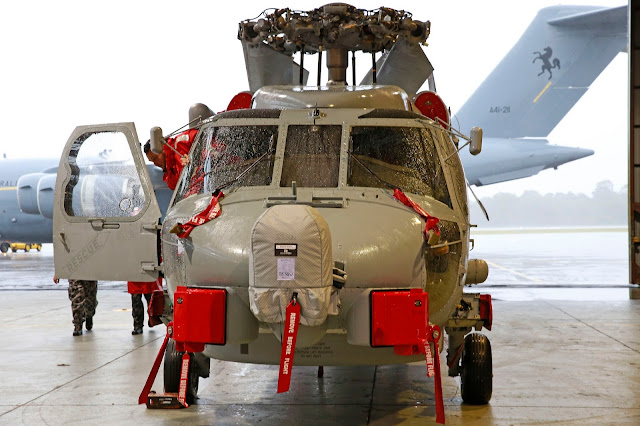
column 104, row 181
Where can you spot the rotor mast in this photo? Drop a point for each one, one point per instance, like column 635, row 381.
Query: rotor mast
column 336, row 29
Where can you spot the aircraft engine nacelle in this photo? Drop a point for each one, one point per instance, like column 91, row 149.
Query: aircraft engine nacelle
column 45, row 192
column 107, row 196
column 28, row 192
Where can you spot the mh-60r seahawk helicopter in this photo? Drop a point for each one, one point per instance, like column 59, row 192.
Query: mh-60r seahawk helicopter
column 308, row 216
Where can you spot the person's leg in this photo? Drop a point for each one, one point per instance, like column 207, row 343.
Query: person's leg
column 91, row 301
column 76, row 295
column 137, row 311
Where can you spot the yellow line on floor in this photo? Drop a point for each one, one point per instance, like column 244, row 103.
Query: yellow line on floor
column 511, row 271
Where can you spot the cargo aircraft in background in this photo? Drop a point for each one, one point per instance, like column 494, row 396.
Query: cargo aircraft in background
column 553, row 64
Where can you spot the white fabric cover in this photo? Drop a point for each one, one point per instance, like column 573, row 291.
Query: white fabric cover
column 313, row 280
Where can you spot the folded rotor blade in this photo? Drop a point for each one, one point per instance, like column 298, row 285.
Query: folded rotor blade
column 405, row 65
column 266, row 66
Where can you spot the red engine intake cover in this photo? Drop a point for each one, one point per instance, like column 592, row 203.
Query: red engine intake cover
column 398, row 317
column 199, row 317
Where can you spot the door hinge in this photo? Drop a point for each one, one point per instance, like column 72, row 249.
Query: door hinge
column 151, row 226
column 151, row 267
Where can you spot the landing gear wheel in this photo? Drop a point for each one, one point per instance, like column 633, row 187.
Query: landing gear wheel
column 477, row 370
column 172, row 365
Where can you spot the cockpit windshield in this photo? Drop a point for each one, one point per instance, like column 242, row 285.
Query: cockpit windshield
column 404, row 157
column 312, row 156
column 224, row 153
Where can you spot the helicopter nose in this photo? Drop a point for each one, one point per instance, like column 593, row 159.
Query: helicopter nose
column 290, row 252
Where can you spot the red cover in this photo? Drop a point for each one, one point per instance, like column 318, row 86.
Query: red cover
column 140, row 287
column 199, row 316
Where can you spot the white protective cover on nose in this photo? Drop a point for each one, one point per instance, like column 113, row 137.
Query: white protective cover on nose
column 290, row 252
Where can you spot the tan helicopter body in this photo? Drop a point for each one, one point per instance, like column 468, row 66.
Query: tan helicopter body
column 346, row 203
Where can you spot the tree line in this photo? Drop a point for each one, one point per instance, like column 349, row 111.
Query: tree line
column 604, row 207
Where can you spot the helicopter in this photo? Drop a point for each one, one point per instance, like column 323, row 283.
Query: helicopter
column 312, row 225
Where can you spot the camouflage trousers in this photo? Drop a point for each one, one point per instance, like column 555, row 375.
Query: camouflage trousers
column 83, row 300
column 137, row 308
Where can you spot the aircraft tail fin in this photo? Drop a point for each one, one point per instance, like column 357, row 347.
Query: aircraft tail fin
column 553, row 64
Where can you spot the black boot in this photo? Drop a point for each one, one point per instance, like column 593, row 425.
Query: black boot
column 89, row 323
column 136, row 331
column 77, row 330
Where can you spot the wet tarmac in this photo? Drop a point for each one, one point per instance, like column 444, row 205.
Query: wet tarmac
column 566, row 354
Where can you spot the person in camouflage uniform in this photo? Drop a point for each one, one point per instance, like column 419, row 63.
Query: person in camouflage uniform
column 82, row 294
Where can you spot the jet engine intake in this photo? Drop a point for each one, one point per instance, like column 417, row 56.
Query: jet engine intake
column 28, row 192
column 46, row 190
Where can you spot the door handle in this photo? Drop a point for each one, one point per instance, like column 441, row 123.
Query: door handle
column 101, row 224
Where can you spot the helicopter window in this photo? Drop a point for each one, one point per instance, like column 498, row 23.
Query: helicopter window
column 312, row 156
column 405, row 157
column 104, row 181
column 229, row 156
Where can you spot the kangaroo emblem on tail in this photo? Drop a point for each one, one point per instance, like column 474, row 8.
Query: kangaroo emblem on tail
column 546, row 64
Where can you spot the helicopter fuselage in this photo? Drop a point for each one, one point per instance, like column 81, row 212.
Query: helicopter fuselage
column 343, row 164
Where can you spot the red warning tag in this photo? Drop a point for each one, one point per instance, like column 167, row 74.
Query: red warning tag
column 431, row 229
column 184, row 378
column 289, row 336
column 431, row 369
column 212, row 211
column 434, row 335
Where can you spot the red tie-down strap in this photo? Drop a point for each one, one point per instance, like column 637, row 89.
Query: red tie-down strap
column 292, row 320
column 431, row 229
column 210, row 212
column 184, row 378
column 433, row 368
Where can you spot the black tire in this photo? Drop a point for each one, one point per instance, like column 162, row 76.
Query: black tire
column 14, row 249
column 172, row 366
column 38, row 247
column 476, row 378
column 4, row 247
column 27, row 247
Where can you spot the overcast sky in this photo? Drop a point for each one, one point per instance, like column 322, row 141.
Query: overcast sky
column 69, row 63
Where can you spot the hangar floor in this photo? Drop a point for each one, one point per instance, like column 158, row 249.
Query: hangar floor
column 561, row 355
column 567, row 362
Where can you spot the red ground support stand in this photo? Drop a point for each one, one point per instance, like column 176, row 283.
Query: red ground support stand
column 400, row 318
column 167, row 400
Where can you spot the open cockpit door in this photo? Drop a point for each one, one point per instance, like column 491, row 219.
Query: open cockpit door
column 106, row 217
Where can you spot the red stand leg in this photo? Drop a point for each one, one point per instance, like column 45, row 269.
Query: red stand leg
column 142, row 399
